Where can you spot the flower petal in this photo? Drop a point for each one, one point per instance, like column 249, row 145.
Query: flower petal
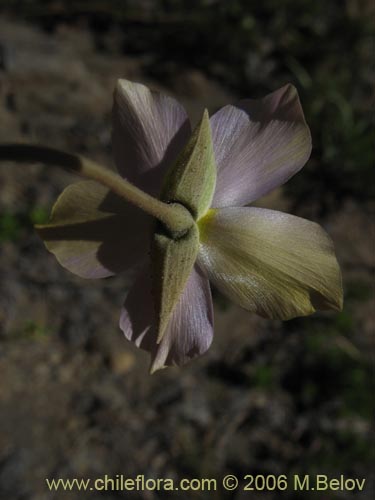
column 259, row 145
column 149, row 130
column 190, row 330
column 94, row 233
column 274, row 264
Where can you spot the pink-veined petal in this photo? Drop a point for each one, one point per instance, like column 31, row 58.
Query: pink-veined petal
column 274, row 264
column 189, row 332
column 94, row 233
column 258, row 145
column 149, row 130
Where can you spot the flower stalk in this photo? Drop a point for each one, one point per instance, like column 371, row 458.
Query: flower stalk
column 174, row 216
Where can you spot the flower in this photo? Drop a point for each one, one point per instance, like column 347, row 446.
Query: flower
column 271, row 263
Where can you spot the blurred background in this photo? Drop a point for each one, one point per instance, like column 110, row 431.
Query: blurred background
column 269, row 397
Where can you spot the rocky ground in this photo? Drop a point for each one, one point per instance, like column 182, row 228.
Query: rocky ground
column 76, row 399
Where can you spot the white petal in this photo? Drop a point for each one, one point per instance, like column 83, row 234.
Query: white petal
column 258, row 145
column 274, row 264
column 149, row 130
column 94, row 233
column 190, row 330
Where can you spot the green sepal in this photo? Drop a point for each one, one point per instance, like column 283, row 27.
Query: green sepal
column 172, row 262
column 190, row 183
column 192, row 179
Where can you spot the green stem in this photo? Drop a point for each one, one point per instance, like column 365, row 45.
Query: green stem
column 176, row 218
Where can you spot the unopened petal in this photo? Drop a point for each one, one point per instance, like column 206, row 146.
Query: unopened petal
column 258, row 145
column 190, row 330
column 149, row 130
column 274, row 264
column 93, row 233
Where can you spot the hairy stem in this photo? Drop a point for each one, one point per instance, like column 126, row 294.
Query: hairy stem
column 174, row 216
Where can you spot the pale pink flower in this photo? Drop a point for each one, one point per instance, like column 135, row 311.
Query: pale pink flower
column 271, row 263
